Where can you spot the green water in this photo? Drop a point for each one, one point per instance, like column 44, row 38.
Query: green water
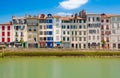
column 59, row 67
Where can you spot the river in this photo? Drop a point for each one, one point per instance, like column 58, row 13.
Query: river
column 59, row 67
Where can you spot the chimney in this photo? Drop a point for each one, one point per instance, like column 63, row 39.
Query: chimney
column 76, row 15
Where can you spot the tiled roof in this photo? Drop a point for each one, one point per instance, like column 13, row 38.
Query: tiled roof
column 108, row 15
column 65, row 18
column 7, row 23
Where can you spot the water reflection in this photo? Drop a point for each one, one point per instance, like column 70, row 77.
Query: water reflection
column 52, row 67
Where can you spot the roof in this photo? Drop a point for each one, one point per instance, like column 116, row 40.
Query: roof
column 56, row 16
column 42, row 16
column 7, row 23
column 108, row 15
column 65, row 18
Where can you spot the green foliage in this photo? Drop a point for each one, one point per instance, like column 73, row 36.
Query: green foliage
column 21, row 41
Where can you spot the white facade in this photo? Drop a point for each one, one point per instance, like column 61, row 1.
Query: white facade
column 94, row 30
column 115, row 32
column 19, row 29
column 56, row 30
column 65, row 32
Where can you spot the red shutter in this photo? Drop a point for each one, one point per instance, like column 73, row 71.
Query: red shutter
column 8, row 33
column 3, row 27
column 8, row 27
column 3, row 33
column 3, row 39
column 8, row 40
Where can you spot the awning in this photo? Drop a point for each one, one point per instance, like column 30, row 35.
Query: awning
column 57, row 42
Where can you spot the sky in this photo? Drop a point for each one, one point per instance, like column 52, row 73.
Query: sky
column 9, row 8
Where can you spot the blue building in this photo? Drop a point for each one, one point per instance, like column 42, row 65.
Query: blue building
column 49, row 25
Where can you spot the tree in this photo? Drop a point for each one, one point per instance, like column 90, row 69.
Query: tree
column 22, row 41
column 103, row 43
column 61, row 42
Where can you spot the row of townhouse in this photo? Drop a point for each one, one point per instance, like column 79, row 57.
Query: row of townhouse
column 79, row 31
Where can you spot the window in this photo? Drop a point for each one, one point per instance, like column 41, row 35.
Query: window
column 50, row 27
column 68, row 38
column 3, row 33
column 16, row 39
column 114, row 45
column 8, row 39
column 62, row 26
column 84, row 32
column 107, row 27
column 8, row 27
column 49, row 21
column 3, row 39
column 44, row 38
column 50, row 33
column 84, row 21
column 84, row 26
column 79, row 45
column 34, row 30
column 97, row 31
column 64, row 32
column 57, row 20
column 63, row 38
column 102, row 20
column 80, row 33
column 3, row 27
column 80, row 21
column 72, row 45
column 113, row 31
column 80, row 38
column 45, row 32
column 107, row 20
column 68, row 27
column 72, row 33
column 72, row 38
column 76, row 39
column 89, row 37
column 84, row 45
column 21, row 33
column 84, row 38
column 76, row 45
column 8, row 33
column 89, row 19
column 68, row 32
column 93, row 19
column 41, row 33
column 80, row 27
column 75, row 32
column 34, row 39
column 40, row 26
column 93, row 37
column 98, row 37
column 57, row 31
column 98, row 18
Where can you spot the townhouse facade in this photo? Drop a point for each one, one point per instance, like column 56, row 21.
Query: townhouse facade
column 6, row 33
column 79, row 31
column 57, row 31
column 115, row 32
column 94, row 30
column 19, row 30
column 106, row 30
column 32, row 30
column 42, row 30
